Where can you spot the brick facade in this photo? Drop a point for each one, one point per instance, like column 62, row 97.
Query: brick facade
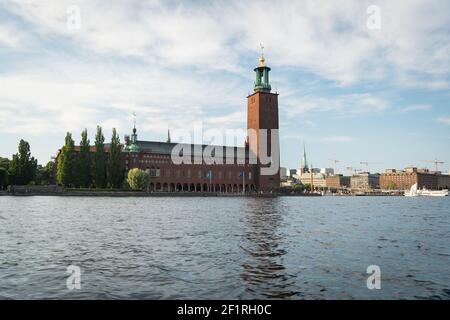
column 404, row 180
column 262, row 113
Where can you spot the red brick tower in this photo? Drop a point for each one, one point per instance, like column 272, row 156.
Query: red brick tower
column 262, row 113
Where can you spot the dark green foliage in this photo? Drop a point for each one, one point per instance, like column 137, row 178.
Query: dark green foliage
column 3, row 178
column 45, row 175
column 22, row 168
column 99, row 165
column 66, row 163
column 50, row 172
column 84, row 178
column 115, row 168
column 4, row 163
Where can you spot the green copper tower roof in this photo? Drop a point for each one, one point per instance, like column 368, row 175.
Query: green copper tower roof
column 133, row 145
column 262, row 75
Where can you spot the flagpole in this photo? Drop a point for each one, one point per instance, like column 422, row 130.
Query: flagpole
column 243, row 185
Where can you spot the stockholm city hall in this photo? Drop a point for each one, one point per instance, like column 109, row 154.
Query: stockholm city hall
column 237, row 176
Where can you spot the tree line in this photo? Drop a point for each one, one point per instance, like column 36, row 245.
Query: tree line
column 23, row 169
column 101, row 168
column 81, row 168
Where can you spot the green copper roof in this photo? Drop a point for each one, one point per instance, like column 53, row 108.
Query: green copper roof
column 262, row 76
column 133, row 146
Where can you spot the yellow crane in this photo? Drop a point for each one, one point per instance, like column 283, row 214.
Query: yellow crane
column 436, row 163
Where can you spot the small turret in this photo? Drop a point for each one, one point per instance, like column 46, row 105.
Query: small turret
column 132, row 143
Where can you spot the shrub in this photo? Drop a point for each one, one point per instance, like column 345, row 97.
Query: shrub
column 138, row 179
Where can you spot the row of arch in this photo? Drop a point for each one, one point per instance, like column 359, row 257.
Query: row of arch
column 205, row 187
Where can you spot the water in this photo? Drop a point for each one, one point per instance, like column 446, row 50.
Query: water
column 224, row 248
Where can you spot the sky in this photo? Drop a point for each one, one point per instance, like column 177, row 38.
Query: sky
column 356, row 82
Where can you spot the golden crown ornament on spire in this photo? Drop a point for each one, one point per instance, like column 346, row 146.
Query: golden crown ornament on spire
column 261, row 58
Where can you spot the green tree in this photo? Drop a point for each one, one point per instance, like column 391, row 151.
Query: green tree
column 41, row 176
column 84, row 162
column 45, row 174
column 66, row 162
column 115, row 166
column 298, row 187
column 50, row 172
column 22, row 168
column 392, row 186
column 3, row 178
column 99, row 167
column 138, row 179
column 4, row 163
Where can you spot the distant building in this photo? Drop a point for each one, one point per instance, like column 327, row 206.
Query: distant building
column 444, row 181
column 292, row 173
column 316, row 179
column 405, row 179
column 365, row 181
column 337, row 182
column 283, row 174
column 308, row 175
column 327, row 171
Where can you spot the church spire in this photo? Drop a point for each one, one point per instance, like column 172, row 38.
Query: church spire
column 168, row 135
column 304, row 163
column 262, row 74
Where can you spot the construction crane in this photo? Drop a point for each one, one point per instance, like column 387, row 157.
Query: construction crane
column 334, row 165
column 436, row 163
column 366, row 163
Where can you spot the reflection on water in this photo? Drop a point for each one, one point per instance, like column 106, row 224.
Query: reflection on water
column 263, row 272
column 224, row 248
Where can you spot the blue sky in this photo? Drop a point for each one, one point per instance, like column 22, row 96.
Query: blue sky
column 349, row 92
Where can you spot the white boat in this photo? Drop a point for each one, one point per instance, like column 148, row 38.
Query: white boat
column 415, row 192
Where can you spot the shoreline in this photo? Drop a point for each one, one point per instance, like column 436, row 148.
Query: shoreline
column 141, row 194
column 132, row 194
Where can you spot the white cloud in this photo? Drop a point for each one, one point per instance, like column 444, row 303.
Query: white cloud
column 85, row 95
column 346, row 104
column 13, row 38
column 418, row 107
column 444, row 120
column 327, row 39
column 175, row 62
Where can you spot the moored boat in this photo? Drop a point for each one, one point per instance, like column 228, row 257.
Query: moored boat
column 416, row 192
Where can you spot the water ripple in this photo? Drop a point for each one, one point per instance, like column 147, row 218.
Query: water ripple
column 224, row 248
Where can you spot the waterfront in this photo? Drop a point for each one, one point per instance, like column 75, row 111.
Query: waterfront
column 224, row 248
